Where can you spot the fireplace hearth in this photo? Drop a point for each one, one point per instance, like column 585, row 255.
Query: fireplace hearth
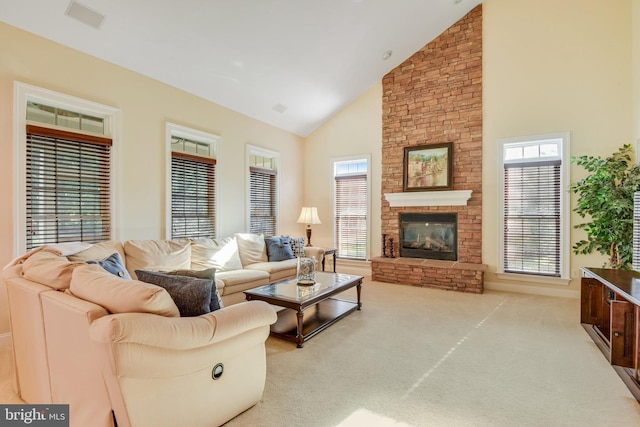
column 429, row 236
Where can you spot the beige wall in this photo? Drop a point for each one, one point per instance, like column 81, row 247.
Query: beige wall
column 356, row 130
column 145, row 106
column 549, row 67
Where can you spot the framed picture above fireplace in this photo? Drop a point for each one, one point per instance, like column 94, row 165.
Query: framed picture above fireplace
column 428, row 167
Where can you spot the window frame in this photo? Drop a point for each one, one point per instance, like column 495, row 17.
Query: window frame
column 348, row 159
column 564, row 157
column 23, row 93
column 179, row 131
column 252, row 150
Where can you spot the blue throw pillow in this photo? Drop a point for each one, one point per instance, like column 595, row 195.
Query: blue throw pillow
column 279, row 248
column 114, row 265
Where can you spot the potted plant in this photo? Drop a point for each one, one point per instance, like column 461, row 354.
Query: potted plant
column 606, row 197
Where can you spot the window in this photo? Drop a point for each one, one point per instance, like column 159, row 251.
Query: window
column 263, row 191
column 351, row 205
column 534, row 203
column 64, row 161
column 67, row 187
column 192, row 210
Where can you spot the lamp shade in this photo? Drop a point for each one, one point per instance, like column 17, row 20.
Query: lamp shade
column 309, row 216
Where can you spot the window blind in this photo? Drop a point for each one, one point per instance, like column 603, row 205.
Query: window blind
column 263, row 197
column 532, row 218
column 351, row 216
column 67, row 187
column 192, row 196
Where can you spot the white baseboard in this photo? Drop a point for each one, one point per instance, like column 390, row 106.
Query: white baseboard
column 534, row 290
column 5, row 340
column 360, row 268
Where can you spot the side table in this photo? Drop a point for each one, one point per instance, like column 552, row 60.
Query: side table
column 330, row 252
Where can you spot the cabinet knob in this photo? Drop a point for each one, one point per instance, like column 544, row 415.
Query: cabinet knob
column 617, row 334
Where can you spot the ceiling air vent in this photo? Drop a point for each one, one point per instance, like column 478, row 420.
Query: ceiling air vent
column 84, row 14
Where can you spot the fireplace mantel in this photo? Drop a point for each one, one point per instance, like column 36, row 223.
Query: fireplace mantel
column 429, row 198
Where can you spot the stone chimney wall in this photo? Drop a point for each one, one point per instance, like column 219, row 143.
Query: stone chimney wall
column 435, row 96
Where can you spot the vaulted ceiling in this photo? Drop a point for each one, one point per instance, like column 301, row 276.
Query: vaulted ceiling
column 290, row 63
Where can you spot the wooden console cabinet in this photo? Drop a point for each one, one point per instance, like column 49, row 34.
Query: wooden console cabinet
column 610, row 313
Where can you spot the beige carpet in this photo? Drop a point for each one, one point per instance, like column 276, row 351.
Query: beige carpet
column 7, row 380
column 423, row 357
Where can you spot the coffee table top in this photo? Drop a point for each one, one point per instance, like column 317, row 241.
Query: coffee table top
column 287, row 290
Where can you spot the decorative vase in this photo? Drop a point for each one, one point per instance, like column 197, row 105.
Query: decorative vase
column 306, row 272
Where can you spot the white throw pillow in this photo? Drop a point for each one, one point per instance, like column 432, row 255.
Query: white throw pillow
column 221, row 254
column 252, row 248
column 156, row 255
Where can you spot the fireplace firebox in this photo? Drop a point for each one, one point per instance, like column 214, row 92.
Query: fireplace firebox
column 429, row 235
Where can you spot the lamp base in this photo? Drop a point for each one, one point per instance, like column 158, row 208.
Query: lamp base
column 308, row 235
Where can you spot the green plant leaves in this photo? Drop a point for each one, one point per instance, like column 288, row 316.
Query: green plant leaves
column 605, row 196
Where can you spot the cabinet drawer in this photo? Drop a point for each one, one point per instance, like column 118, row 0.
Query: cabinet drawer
column 623, row 333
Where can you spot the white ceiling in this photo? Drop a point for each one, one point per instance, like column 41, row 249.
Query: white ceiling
column 312, row 56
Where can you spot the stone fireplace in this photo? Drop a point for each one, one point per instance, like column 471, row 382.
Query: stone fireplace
column 435, row 97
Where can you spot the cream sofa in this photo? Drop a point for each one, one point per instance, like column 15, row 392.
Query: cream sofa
column 116, row 349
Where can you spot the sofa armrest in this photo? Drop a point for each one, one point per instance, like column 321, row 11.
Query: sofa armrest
column 182, row 332
column 315, row 253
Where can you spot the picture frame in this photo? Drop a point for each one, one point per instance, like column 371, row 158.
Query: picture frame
column 428, row 167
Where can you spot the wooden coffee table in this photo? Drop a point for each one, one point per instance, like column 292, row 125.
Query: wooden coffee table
column 308, row 310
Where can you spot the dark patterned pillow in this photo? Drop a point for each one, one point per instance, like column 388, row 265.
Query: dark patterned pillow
column 114, row 265
column 210, row 274
column 191, row 295
column 297, row 244
column 279, row 248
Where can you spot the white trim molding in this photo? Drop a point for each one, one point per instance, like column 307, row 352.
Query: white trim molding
column 334, row 163
column 23, row 93
column 176, row 130
column 531, row 289
column 564, row 156
column 254, row 150
column 429, row 198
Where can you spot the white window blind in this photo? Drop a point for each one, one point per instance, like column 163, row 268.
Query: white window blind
column 532, row 223
column 263, row 197
column 351, row 206
column 67, row 187
column 192, row 196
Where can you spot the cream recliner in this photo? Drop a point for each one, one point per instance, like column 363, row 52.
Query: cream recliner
column 138, row 366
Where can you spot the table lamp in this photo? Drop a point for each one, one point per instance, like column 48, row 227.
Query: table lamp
column 309, row 216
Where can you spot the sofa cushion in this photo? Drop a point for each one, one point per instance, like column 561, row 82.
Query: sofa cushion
column 191, row 294
column 297, row 245
column 275, row 267
column 210, row 274
column 277, row 270
column 114, row 265
column 49, row 269
column 251, row 247
column 99, row 251
column 221, row 254
column 241, row 280
column 157, row 255
column 279, row 248
column 95, row 284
